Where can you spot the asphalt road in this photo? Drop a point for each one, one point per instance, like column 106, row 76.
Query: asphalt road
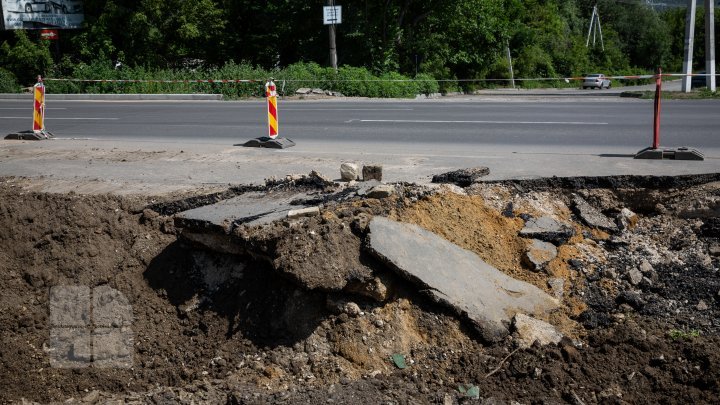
column 592, row 124
column 172, row 145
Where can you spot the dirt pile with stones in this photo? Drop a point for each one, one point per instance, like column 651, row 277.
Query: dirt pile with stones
column 639, row 303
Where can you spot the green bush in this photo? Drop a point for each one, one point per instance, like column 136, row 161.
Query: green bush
column 308, row 75
column 8, row 82
column 355, row 82
column 350, row 81
column 233, row 71
column 427, row 84
column 395, row 85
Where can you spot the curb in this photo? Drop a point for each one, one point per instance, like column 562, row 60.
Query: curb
column 128, row 97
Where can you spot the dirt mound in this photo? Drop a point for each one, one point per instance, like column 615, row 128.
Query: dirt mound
column 641, row 305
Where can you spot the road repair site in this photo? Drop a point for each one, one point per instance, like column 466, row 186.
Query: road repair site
column 494, row 249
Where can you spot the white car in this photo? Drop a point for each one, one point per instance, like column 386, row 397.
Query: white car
column 596, row 80
column 33, row 6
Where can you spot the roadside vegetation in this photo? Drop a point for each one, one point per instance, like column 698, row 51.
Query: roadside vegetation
column 699, row 94
column 445, row 45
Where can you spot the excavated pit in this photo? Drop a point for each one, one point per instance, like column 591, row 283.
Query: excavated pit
column 296, row 310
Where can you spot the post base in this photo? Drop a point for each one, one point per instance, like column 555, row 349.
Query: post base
column 30, row 136
column 683, row 153
column 266, row 142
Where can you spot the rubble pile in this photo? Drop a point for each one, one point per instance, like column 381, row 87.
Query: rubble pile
column 310, row 290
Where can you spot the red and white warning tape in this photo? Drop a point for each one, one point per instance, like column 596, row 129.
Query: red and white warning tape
column 153, row 81
column 216, row 81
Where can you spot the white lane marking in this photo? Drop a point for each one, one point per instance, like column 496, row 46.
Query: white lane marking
column 347, row 109
column 484, row 122
column 64, row 118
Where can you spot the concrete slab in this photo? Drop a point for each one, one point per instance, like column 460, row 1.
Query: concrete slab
column 547, row 229
column 592, row 216
column 530, row 330
column 252, row 208
column 456, row 277
column 364, row 187
column 539, row 253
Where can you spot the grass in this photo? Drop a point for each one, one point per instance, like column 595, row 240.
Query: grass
column 677, row 334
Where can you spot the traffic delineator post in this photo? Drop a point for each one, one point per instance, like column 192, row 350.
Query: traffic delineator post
column 272, row 140
column 38, row 131
column 39, row 107
column 655, row 151
column 271, row 96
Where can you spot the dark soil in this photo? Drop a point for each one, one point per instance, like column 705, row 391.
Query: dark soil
column 259, row 337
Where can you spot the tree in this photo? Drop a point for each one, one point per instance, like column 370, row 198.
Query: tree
column 25, row 58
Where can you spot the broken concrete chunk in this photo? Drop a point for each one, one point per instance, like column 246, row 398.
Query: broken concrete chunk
column 462, row 177
column 539, row 253
column 530, row 330
column 645, row 267
column 635, row 276
column 320, row 179
column 372, row 172
column 557, row 285
column 547, row 229
column 381, row 191
column 455, row 277
column 352, row 309
column 592, row 216
column 626, row 220
column 446, row 188
column 304, row 212
column 349, row 171
column 303, row 90
column 364, row 187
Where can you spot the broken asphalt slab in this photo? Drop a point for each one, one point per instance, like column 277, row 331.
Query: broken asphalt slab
column 456, row 277
column 548, row 230
column 252, row 208
column 462, row 177
column 592, row 216
column 316, row 253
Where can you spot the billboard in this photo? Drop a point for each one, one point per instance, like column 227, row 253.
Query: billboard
column 40, row 14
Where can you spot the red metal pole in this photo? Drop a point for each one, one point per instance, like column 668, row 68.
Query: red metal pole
column 658, row 96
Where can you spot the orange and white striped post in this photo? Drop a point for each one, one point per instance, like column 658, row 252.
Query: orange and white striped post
column 271, row 95
column 39, row 107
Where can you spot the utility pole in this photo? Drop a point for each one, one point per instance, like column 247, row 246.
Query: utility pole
column 710, row 44
column 595, row 28
column 710, row 80
column 689, row 44
column 333, row 47
column 512, row 74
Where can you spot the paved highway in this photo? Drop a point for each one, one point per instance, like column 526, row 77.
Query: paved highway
column 514, row 136
column 612, row 122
